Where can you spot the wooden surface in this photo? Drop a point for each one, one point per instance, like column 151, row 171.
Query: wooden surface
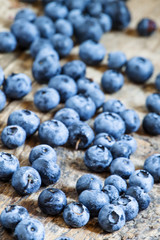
column 147, row 224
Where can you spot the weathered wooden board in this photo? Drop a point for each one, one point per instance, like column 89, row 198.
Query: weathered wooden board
column 147, row 224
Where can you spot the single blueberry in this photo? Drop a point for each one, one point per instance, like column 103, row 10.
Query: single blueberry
column 26, row 119
column 151, row 124
column 146, row 27
column 129, row 140
column 121, row 149
column 75, row 69
column 76, row 215
column 52, row 201
column 26, row 14
column 105, row 22
column 141, row 178
column 66, row 86
column 13, row 136
column 122, row 166
column 94, row 8
column 117, row 182
column 29, row 229
column 98, row 158
column 75, row 17
column 42, row 151
column 12, row 215
column 111, row 218
column 85, row 83
column 105, row 140
column 116, row 60
column 67, row 116
column 152, row 165
column 81, row 135
column 8, row 165
column 112, row 81
column 55, row 11
column 2, row 77
column 153, row 102
column 53, row 133
column 139, row 69
column 44, row 53
column 46, row 99
column 157, row 82
column 113, row 105
column 76, row 4
column 82, row 104
column 45, row 26
column 110, row 123
column 38, row 45
column 48, row 170
column 131, row 119
column 94, row 200
column 2, row 100
column 64, row 27
column 111, row 192
column 16, row 86
column 91, row 53
column 8, row 42
column 88, row 182
column 26, row 180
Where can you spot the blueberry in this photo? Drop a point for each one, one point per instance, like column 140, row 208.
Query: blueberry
column 121, row 149
column 48, row 170
column 111, row 218
column 26, row 14
column 112, row 81
column 129, row 140
column 2, row 100
column 16, row 86
column 122, row 166
column 75, row 69
column 139, row 69
column 88, row 87
column 8, row 165
column 45, row 99
column 153, row 102
column 146, row 27
column 63, row 26
column 117, row 182
column 45, row 66
column 94, row 200
column 44, row 53
column 53, row 133
column 26, row 180
column 2, row 77
column 67, row 116
column 90, row 28
column 62, row 44
column 88, row 182
column 105, row 22
column 91, row 53
column 42, row 151
column 55, row 11
column 131, row 119
column 113, row 105
column 97, row 158
column 110, row 123
column 38, row 45
column 45, row 26
column 111, row 192
column 25, row 32
column 52, row 201
column 76, row 4
column 141, row 178
column 75, row 17
column 29, row 229
column 76, row 215
column 26, row 119
column 119, row 13
column 116, row 60
column 152, row 165
column 142, row 198
column 157, row 82
column 129, row 205
column 151, row 124
column 83, row 105
column 105, row 140
column 12, row 215
column 80, row 135
column 8, row 42
column 94, row 8
column 13, row 136
column 66, row 86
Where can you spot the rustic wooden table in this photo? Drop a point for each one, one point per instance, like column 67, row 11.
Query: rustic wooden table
column 147, row 224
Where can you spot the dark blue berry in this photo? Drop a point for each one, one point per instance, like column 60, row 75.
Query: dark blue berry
column 105, row 140
column 52, row 201
column 113, row 105
column 75, row 69
column 112, row 81
column 26, row 14
column 38, row 45
column 153, row 102
column 55, row 11
column 152, row 165
column 129, row 140
column 26, row 180
column 116, row 60
column 45, row 26
column 8, row 42
column 94, row 8
column 62, row 44
column 111, row 192
column 117, row 182
column 121, row 149
column 151, row 124
column 75, row 17
column 131, row 119
column 157, row 82
column 53, row 133
column 146, row 27
column 105, row 22
column 45, row 52
column 67, row 116
column 64, row 27
column 76, row 4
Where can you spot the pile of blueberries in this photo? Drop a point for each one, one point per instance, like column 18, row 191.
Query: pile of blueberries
column 49, row 38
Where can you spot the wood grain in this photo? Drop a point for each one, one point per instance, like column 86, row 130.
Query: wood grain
column 147, row 224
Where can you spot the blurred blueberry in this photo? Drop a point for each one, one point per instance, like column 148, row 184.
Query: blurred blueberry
column 55, row 11
column 116, row 60
column 153, row 102
column 112, row 81
column 26, row 14
column 105, row 22
column 62, row 44
column 146, row 27
column 67, row 116
column 64, row 27
column 38, row 45
column 151, row 123
column 157, row 82
column 152, row 165
column 131, row 119
column 45, row 26
column 8, row 42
